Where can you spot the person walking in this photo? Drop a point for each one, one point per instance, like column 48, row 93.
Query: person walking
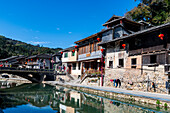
column 153, row 86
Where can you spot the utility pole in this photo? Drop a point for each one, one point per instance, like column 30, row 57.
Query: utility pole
column 148, row 84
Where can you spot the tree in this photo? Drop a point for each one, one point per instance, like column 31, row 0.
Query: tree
column 155, row 12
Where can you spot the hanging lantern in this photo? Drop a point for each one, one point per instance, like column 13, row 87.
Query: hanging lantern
column 98, row 39
column 107, row 26
column 75, row 46
column 28, row 60
column 73, row 51
column 6, row 61
column 25, row 62
column 161, row 36
column 104, row 62
column 123, row 45
column 102, row 50
column 31, row 59
column 61, row 52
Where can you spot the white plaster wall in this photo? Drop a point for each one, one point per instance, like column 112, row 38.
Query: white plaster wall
column 115, row 58
column 77, row 71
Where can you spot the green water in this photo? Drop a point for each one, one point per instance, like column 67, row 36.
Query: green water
column 43, row 98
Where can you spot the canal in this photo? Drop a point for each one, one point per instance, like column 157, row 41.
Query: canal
column 43, row 98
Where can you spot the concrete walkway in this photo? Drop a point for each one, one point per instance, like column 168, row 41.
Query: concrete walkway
column 155, row 96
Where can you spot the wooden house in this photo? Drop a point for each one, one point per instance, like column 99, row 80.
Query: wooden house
column 89, row 54
column 42, row 61
column 136, row 54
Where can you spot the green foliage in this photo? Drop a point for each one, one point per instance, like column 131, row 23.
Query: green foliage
column 9, row 47
column 155, row 12
column 158, row 102
column 165, row 105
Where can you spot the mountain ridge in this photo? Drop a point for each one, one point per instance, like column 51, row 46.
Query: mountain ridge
column 10, row 47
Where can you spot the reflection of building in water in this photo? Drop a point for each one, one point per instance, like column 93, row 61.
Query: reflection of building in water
column 64, row 100
column 70, row 102
column 8, row 84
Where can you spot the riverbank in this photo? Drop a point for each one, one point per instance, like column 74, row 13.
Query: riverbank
column 14, row 80
column 138, row 97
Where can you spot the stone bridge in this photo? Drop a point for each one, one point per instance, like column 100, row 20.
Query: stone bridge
column 33, row 75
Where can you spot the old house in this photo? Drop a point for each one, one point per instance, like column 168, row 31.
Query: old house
column 42, row 61
column 89, row 54
column 13, row 61
column 135, row 54
column 56, row 61
column 70, row 65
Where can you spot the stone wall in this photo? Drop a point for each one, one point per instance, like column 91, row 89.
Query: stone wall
column 136, row 79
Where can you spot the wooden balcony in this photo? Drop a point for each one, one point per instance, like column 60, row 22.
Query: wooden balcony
column 147, row 50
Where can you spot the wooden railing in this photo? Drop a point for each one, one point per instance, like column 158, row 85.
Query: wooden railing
column 147, row 50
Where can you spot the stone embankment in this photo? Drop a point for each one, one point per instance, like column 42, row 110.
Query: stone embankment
column 128, row 96
column 15, row 80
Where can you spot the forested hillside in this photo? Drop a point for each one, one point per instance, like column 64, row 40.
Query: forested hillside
column 9, row 47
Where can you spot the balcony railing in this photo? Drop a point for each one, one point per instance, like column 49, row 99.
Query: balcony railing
column 147, row 50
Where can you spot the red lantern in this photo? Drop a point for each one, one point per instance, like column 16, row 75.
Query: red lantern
column 123, row 45
column 102, row 50
column 98, row 39
column 104, row 62
column 6, row 61
column 28, row 60
column 31, row 59
column 107, row 26
column 73, row 51
column 75, row 46
column 61, row 52
column 161, row 36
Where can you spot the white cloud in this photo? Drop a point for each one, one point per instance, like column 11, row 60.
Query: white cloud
column 58, row 29
column 33, row 42
column 69, row 32
column 72, row 45
column 36, row 37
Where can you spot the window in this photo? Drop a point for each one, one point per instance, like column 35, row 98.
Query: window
column 153, row 59
column 90, row 48
column 110, row 64
column 94, row 47
column 121, row 47
column 98, row 47
column 65, row 55
column 73, row 54
column 133, row 63
column 79, row 65
column 74, row 66
column 121, row 62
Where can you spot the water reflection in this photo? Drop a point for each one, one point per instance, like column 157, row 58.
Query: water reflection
column 46, row 98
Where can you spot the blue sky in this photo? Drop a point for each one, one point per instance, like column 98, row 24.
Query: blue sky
column 57, row 23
